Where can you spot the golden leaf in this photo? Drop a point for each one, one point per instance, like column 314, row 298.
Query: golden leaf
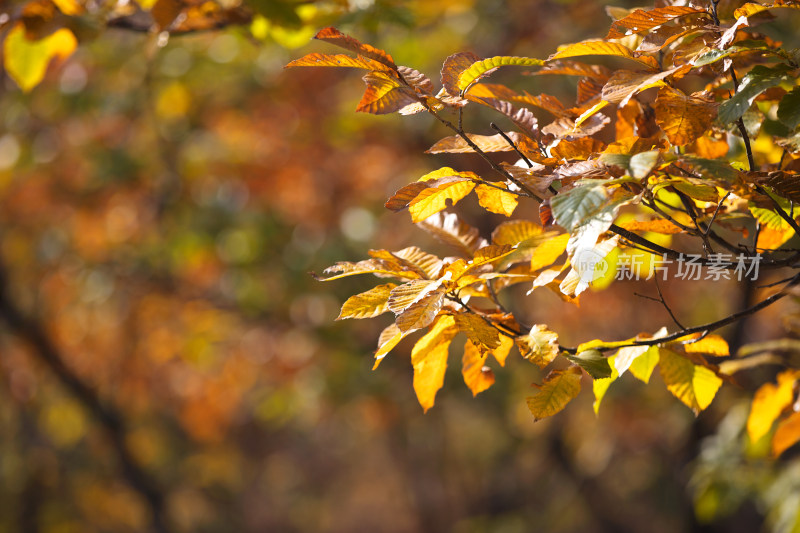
column 540, row 345
column 710, row 344
column 388, row 339
column 769, row 402
column 486, row 143
column 602, row 48
column 683, row 118
column 402, row 296
column 422, row 312
column 600, row 386
column 692, row 384
column 501, row 352
column 453, row 67
column 436, row 196
column 658, row 225
column 367, row 304
column 336, row 60
column 516, row 232
column 643, row 365
column 753, row 8
column 557, row 390
column 496, row 201
column 385, row 94
column 478, row 330
column 450, row 229
column 26, row 61
column 429, row 358
column 549, row 251
column 477, row 376
column 787, row 434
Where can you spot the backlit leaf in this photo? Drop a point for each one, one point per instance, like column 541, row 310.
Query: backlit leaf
column 367, row 304
column 429, row 359
column 380, row 268
column 643, row 365
column 26, row 61
column 450, row 229
column 593, row 362
column 752, row 8
column 388, row 339
column 422, row 312
column 710, row 344
column 478, row 331
column 482, row 68
column 549, row 251
column 540, row 345
column 602, row 48
column 769, row 402
column 439, row 195
column 759, row 79
column 658, row 225
column 501, row 352
column 516, row 232
column 624, row 84
column 641, row 21
column 557, row 390
column 336, row 60
column 428, row 264
column 692, row 384
column 402, row 296
column 384, row 94
column 787, row 434
column 334, row 36
column 626, row 356
column 453, row 67
column 600, row 386
column 477, row 376
column 486, row 143
column 496, row 201
column 682, row 117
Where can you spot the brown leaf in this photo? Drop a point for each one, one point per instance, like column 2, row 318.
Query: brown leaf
column 626, row 83
column 603, row 48
column 422, row 312
column 385, row 94
column 575, row 68
column 683, row 118
column 416, row 79
column 786, row 184
column 658, row 225
column 486, row 143
column 640, row 21
column 558, row 389
column 336, row 60
column 478, row 330
column 450, row 229
column 165, row 12
column 334, row 36
column 566, row 128
column 578, row 149
column 453, row 67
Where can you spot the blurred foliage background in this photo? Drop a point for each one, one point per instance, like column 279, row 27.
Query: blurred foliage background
column 162, row 201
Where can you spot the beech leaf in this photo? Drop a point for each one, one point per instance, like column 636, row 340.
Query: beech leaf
column 602, row 48
column 540, row 345
column 26, row 60
column 557, row 390
column 683, row 118
column 769, row 402
column 367, row 304
column 692, row 384
column 484, row 67
column 334, row 36
column 477, row 376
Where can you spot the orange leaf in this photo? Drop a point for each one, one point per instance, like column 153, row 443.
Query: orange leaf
column 640, row 21
column 477, row 376
column 334, row 36
column 385, row 94
column 658, row 225
column 683, row 118
column 558, row 389
column 336, row 60
column 486, row 143
column 787, row 434
column 769, row 402
column 602, row 48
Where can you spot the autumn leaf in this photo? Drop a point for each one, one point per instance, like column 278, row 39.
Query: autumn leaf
column 540, row 345
column 26, row 61
column 429, row 359
column 426, row 198
column 683, row 118
column 759, row 79
column 477, row 376
column 403, row 296
column 495, row 200
column 549, row 251
column 516, row 232
column 486, row 143
column 624, row 84
column 658, row 225
column 641, row 21
column 769, row 402
column 602, row 48
column 452, row 68
column 334, row 36
column 601, row 386
column 752, row 8
column 385, row 94
column 378, row 267
column 557, row 390
column 388, row 339
column 421, row 312
column 367, row 304
column 484, row 67
column 710, row 345
column 692, row 384
column 787, row 434
column 336, row 60
column 789, row 109
column 451, row 230
column 593, row 362
column 478, row 330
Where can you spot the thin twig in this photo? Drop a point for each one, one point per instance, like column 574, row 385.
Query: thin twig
column 511, row 143
column 666, row 306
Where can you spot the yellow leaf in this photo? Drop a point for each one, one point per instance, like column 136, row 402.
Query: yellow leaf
column 434, row 199
column 429, row 358
column 477, row 376
column 658, row 225
column 478, row 330
column 388, row 339
column 334, row 36
column 69, row 7
column 402, row 296
column 683, row 118
column 367, row 304
column 787, row 434
column 26, row 61
column 710, row 344
column 540, row 346
column 496, row 201
column 753, row 8
column 549, row 251
column 602, row 48
column 421, row 312
column 600, row 386
column 643, row 365
column 483, row 67
column 515, row 232
column 501, row 352
column 640, row 21
column 385, row 94
column 558, row 389
column 769, row 402
column 692, row 384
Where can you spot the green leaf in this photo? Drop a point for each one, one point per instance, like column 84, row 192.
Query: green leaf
column 558, row 389
column 593, row 362
column 26, row 61
column 573, row 207
column 758, row 80
column 789, row 108
column 482, row 68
